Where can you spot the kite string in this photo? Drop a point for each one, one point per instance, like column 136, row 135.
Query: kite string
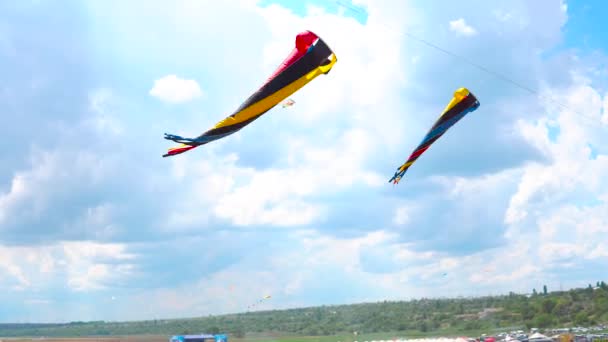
column 471, row 63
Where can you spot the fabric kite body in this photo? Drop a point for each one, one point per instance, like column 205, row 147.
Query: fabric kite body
column 310, row 58
column 462, row 103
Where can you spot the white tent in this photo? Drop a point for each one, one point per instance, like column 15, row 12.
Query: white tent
column 538, row 337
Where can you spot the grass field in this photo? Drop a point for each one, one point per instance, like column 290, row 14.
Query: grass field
column 268, row 337
column 246, row 339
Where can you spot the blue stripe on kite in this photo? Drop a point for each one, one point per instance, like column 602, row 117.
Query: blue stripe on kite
column 446, row 125
column 201, row 140
column 442, row 128
column 209, row 138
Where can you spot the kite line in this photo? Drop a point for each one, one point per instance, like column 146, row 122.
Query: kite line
column 470, row 62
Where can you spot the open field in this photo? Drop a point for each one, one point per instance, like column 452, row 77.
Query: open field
column 165, row 339
column 268, row 337
column 265, row 337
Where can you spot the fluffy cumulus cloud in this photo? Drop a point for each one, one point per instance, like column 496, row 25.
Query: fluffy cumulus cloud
column 174, row 89
column 460, row 27
column 29, row 274
column 94, row 224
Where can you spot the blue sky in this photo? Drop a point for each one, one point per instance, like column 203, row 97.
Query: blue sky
column 584, row 28
column 94, row 224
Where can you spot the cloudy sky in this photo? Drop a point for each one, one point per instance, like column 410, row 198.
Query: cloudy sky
column 94, row 224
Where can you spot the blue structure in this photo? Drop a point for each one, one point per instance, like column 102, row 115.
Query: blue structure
column 199, row 338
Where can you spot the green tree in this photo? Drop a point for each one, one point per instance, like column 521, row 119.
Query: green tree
column 545, row 290
column 581, row 318
column 562, row 309
column 472, row 325
column 239, row 332
column 548, row 305
column 527, row 311
column 574, row 296
column 601, row 306
column 543, row 320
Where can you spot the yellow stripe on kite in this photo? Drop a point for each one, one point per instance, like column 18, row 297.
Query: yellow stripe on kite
column 406, row 165
column 178, row 147
column 272, row 100
column 459, row 94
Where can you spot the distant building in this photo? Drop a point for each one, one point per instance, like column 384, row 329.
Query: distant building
column 199, row 338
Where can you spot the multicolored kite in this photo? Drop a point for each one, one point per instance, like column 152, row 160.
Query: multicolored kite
column 462, row 103
column 310, row 58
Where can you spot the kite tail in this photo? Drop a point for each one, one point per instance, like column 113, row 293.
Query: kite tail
column 178, row 150
column 397, row 177
column 179, row 139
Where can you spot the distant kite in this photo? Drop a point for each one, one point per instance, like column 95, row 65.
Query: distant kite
column 310, row 58
column 251, row 306
column 288, row 103
column 462, row 103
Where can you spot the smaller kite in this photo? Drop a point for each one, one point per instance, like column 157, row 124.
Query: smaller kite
column 288, row 103
column 462, row 103
column 251, row 306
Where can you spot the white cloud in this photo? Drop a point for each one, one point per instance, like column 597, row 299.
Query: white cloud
column 33, row 193
column 460, row 27
column 287, row 278
column 276, row 196
column 98, row 100
column 25, row 189
column 502, row 15
column 570, row 171
column 175, row 90
column 80, row 266
column 549, row 221
column 86, row 269
column 402, row 216
column 103, row 119
column 12, row 272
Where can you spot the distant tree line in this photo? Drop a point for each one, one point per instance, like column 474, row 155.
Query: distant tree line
column 577, row 307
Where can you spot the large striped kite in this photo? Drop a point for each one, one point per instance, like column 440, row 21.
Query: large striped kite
column 462, row 103
column 310, row 58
